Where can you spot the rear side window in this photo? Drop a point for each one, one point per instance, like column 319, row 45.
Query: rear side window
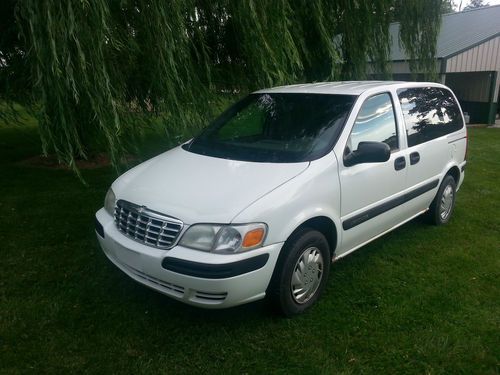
column 429, row 113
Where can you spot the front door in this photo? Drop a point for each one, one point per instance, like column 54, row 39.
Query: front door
column 370, row 191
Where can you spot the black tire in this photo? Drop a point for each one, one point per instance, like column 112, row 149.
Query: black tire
column 440, row 212
column 280, row 292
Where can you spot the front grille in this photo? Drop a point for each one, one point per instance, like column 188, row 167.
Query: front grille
column 146, row 226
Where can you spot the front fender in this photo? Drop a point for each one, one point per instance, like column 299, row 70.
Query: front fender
column 313, row 193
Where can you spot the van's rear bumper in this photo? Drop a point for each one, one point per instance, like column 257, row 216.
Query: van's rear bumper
column 191, row 276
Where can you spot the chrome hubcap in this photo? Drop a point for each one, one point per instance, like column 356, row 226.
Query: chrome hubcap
column 307, row 275
column 446, row 202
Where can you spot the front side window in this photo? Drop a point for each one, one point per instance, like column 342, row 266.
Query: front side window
column 276, row 127
column 429, row 113
column 375, row 123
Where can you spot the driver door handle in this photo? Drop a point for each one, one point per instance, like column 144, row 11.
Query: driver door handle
column 399, row 163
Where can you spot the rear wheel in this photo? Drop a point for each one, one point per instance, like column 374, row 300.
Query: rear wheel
column 301, row 273
column 442, row 206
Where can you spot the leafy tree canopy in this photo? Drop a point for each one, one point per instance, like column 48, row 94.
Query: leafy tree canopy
column 92, row 69
column 474, row 4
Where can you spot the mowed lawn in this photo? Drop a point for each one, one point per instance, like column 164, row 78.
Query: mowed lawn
column 422, row 299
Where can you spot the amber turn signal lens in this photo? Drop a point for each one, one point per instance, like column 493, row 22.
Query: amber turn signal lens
column 253, row 238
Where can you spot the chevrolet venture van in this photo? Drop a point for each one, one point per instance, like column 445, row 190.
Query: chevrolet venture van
column 284, row 182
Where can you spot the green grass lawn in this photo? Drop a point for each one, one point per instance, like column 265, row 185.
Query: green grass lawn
column 419, row 300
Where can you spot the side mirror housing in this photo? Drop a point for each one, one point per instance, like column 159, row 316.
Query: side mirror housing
column 368, row 152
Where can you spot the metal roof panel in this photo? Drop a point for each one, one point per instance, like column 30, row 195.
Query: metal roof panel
column 459, row 31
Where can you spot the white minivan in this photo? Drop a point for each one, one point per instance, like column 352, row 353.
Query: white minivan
column 284, row 182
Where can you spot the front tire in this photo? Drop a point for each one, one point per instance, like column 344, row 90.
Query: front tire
column 301, row 272
column 442, row 206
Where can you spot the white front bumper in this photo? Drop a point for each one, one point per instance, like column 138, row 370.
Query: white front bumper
column 144, row 264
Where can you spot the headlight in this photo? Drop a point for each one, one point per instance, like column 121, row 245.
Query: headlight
column 226, row 239
column 109, row 202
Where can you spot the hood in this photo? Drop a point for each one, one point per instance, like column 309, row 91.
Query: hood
column 197, row 188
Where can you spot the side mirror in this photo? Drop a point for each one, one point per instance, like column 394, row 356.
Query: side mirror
column 368, row 152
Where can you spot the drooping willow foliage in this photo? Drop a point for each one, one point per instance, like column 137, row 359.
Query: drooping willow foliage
column 97, row 69
column 418, row 33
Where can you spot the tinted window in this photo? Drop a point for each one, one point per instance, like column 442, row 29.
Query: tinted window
column 429, row 112
column 375, row 122
column 276, row 128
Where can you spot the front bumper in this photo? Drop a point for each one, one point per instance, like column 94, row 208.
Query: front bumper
column 191, row 276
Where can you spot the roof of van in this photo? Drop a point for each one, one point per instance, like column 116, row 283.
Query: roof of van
column 342, row 88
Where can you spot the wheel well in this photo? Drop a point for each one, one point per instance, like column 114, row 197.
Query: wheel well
column 324, row 225
column 455, row 173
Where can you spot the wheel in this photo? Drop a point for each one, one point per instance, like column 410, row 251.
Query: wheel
column 443, row 204
column 301, row 272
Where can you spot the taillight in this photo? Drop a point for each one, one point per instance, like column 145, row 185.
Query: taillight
column 466, row 142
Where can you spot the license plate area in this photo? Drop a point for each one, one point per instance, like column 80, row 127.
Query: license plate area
column 128, row 257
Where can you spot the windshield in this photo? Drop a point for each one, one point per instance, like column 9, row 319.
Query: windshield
column 280, row 128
